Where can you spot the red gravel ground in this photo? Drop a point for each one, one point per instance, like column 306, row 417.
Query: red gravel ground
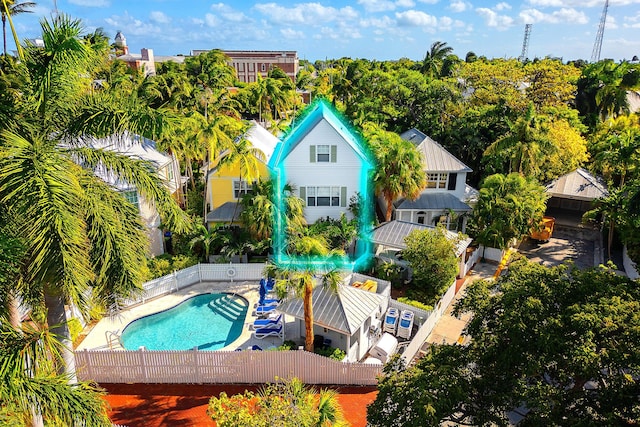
column 175, row 405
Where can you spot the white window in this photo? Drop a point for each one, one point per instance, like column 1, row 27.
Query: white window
column 132, row 197
column 437, row 180
column 240, row 188
column 323, row 153
column 169, row 173
column 325, row 196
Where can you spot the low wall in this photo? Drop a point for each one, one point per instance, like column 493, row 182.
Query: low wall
column 491, row 254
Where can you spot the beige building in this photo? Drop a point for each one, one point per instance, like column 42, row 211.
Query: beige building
column 249, row 63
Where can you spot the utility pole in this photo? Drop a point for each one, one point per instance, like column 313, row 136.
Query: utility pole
column 597, row 46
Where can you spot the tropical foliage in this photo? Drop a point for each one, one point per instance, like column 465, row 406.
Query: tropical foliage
column 287, row 404
column 558, row 345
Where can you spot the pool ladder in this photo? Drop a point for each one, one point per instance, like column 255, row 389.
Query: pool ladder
column 111, row 337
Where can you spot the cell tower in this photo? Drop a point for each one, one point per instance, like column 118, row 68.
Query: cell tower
column 525, row 43
column 597, row 46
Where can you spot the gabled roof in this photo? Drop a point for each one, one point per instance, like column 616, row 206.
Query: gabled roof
column 320, row 110
column 434, row 156
column 262, row 139
column 225, row 212
column 578, row 185
column 434, row 201
column 344, row 311
column 393, row 233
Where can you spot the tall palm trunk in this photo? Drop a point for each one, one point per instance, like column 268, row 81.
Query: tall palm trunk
column 4, row 33
column 308, row 314
column 57, row 321
column 14, row 310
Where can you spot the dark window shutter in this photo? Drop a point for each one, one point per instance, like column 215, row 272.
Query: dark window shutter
column 343, row 196
column 453, row 178
column 312, row 153
column 334, row 153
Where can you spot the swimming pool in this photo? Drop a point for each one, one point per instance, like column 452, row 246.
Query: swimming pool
column 207, row 321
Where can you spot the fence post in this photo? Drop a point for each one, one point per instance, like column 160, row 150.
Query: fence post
column 200, row 271
column 175, row 282
column 196, row 363
column 88, row 365
column 143, row 365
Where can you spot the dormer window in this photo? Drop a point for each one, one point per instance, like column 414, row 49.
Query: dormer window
column 323, row 153
column 437, row 180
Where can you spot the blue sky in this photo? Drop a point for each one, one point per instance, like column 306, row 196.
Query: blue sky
column 372, row 29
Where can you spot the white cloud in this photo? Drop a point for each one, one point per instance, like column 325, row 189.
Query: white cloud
column 493, row 19
column 429, row 1
column 211, row 20
column 91, row 3
column 159, row 17
column 377, row 5
column 405, row 3
column 502, row 6
column 580, row 3
column 416, row 18
column 571, row 16
column 385, row 22
column 132, row 26
column 291, row 34
column 459, row 5
column 305, row 13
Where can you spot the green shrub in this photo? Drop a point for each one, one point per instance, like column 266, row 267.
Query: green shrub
column 288, row 345
column 166, row 264
column 415, row 303
column 75, row 327
column 332, row 353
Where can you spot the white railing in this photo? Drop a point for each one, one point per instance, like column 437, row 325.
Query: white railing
column 430, row 322
column 219, row 367
column 473, row 259
column 195, row 274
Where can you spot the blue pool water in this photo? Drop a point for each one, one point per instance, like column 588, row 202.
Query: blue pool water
column 207, row 321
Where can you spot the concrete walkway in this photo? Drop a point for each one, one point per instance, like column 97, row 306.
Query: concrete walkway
column 449, row 328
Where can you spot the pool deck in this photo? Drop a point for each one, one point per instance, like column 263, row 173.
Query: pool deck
column 97, row 336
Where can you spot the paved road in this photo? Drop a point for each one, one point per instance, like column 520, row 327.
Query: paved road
column 584, row 253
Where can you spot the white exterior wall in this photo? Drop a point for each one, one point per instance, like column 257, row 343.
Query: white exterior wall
column 345, row 172
column 151, row 220
column 460, row 185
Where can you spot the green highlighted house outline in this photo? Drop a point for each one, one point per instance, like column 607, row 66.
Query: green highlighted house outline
column 312, row 115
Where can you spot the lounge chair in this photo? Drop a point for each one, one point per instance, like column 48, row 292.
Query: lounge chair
column 269, row 322
column 269, row 332
column 391, row 321
column 405, row 325
column 268, row 301
column 264, row 310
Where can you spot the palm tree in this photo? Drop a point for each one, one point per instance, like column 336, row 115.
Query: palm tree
column 524, row 147
column 243, row 155
column 434, row 58
column 10, row 8
column 28, row 381
column 400, row 170
column 208, row 239
column 299, row 277
column 80, row 234
column 617, row 151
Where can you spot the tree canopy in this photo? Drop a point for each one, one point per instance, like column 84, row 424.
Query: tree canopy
column 559, row 344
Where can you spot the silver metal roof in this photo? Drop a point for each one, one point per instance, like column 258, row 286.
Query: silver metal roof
column 224, row 212
column 578, row 185
column 344, row 311
column 434, row 156
column 434, row 201
column 393, row 233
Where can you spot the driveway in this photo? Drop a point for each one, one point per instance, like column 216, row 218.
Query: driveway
column 583, row 253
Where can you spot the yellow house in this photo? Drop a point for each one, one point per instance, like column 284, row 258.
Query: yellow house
column 225, row 186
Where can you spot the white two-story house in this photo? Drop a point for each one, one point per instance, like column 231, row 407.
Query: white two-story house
column 446, row 196
column 167, row 168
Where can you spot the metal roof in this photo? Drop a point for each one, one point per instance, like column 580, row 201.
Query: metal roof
column 225, row 212
column 435, row 201
column 578, row 185
column 343, row 311
column 434, row 156
column 393, row 233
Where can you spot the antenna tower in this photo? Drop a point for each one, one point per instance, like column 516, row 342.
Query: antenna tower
column 597, row 46
column 525, row 43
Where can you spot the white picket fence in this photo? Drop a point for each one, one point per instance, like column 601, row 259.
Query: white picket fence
column 219, row 367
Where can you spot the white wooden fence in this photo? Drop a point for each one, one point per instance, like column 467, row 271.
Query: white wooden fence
column 219, row 367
